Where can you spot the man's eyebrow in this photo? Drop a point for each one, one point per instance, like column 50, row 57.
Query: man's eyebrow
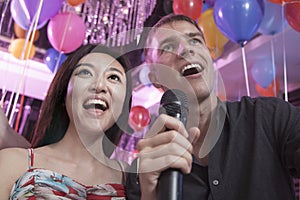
column 169, row 39
column 194, row 34
column 189, row 35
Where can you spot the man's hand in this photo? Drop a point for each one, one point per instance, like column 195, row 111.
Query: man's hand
column 166, row 145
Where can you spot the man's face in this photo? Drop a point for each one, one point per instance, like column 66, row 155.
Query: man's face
column 180, row 59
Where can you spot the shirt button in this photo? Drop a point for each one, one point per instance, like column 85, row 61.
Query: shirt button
column 215, row 182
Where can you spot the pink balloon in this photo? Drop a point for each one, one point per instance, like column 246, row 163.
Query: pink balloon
column 66, row 32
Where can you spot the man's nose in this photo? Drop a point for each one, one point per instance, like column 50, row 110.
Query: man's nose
column 185, row 50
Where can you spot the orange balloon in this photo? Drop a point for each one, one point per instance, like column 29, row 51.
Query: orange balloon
column 214, row 39
column 16, row 47
column 222, row 97
column 271, row 91
column 21, row 33
column 75, row 2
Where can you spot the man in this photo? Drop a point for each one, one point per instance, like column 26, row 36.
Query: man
column 230, row 151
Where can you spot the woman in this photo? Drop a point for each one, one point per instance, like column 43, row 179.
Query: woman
column 76, row 132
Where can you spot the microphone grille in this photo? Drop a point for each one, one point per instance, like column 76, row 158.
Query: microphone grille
column 174, row 103
column 174, row 95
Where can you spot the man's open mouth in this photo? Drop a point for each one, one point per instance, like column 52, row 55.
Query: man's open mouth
column 191, row 69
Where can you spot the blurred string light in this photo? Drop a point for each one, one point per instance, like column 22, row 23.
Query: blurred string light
column 115, row 22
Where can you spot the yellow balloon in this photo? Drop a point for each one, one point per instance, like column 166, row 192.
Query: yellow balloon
column 215, row 40
column 16, row 48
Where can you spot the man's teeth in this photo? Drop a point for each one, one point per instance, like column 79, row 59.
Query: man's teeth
column 96, row 103
column 191, row 69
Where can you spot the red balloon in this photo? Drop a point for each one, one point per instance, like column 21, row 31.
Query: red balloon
column 190, row 8
column 292, row 14
column 280, row 1
column 139, row 117
column 271, row 91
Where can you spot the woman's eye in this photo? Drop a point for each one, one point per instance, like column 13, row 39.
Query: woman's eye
column 84, row 72
column 114, row 77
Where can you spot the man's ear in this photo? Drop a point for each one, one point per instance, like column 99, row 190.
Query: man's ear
column 153, row 80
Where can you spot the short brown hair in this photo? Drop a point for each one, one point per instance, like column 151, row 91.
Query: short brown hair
column 167, row 20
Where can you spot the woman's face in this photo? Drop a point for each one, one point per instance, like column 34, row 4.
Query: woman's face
column 96, row 93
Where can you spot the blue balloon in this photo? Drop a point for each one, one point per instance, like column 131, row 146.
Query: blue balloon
column 263, row 72
column 273, row 22
column 205, row 6
column 51, row 59
column 238, row 20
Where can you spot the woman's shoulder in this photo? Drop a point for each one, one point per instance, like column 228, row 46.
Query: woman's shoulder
column 10, row 154
column 13, row 158
column 13, row 165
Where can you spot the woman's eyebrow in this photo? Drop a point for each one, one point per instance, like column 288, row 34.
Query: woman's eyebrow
column 85, row 64
column 115, row 69
column 92, row 66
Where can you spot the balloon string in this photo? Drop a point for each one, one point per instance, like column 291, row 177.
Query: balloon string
column 9, row 103
column 57, row 62
column 65, row 32
column 36, row 19
column 284, row 56
column 273, row 65
column 3, row 14
column 216, row 81
column 245, row 71
column 4, row 92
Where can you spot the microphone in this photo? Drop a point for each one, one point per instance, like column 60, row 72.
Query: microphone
column 173, row 103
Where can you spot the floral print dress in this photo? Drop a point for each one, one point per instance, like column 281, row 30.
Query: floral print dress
column 38, row 183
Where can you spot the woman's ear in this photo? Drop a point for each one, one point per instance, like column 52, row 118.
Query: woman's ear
column 153, row 80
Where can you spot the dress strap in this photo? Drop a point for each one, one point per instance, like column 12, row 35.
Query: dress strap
column 123, row 172
column 30, row 158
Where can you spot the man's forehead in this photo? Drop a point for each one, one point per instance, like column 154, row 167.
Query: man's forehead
column 172, row 31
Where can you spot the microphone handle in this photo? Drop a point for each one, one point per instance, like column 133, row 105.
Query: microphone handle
column 170, row 185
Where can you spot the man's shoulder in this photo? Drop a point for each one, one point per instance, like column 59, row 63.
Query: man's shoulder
column 255, row 101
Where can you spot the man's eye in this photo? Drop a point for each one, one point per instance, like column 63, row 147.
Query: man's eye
column 168, row 47
column 195, row 41
column 114, row 77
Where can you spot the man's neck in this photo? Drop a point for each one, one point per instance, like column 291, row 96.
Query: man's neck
column 210, row 125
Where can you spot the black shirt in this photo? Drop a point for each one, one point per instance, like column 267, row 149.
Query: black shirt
column 254, row 158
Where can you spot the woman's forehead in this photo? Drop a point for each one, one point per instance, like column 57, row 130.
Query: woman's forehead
column 100, row 59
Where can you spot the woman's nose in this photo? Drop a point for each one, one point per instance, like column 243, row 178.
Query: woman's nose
column 99, row 86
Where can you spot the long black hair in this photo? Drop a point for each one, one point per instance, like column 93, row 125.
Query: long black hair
column 54, row 120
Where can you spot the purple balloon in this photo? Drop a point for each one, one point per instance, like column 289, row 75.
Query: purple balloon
column 210, row 2
column 238, row 20
column 23, row 11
